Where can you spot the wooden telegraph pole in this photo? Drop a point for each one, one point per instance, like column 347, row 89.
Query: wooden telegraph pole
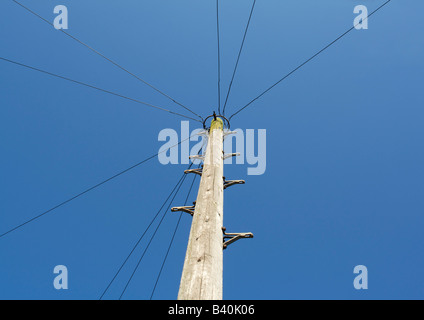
column 203, row 266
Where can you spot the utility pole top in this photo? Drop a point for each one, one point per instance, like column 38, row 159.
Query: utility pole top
column 217, row 123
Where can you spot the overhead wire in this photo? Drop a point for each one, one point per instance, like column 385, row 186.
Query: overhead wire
column 307, row 61
column 152, row 237
column 142, row 236
column 239, row 55
column 89, row 189
column 219, row 57
column 108, row 59
column 97, row 88
column 173, row 238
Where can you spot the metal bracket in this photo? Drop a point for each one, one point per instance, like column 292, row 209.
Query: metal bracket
column 234, row 237
column 196, row 171
column 188, row 209
column 197, row 157
column 229, row 155
column 228, row 132
column 229, row 183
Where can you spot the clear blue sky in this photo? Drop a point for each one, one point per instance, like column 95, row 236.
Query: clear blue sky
column 344, row 180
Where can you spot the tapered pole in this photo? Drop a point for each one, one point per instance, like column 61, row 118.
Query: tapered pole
column 203, row 266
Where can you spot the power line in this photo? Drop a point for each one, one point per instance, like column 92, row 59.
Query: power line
column 96, row 88
column 173, row 237
column 239, row 55
column 106, row 58
column 219, row 58
column 152, row 237
column 142, row 236
column 304, row 63
column 89, row 189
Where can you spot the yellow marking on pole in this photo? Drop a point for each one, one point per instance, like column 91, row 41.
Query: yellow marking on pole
column 217, row 124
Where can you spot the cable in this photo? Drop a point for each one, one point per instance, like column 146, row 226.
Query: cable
column 90, row 189
column 142, row 236
column 304, row 63
column 97, row 88
column 111, row 61
column 239, row 54
column 152, row 237
column 173, row 237
column 219, row 58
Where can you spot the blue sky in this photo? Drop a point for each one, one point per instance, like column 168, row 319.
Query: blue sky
column 344, row 179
